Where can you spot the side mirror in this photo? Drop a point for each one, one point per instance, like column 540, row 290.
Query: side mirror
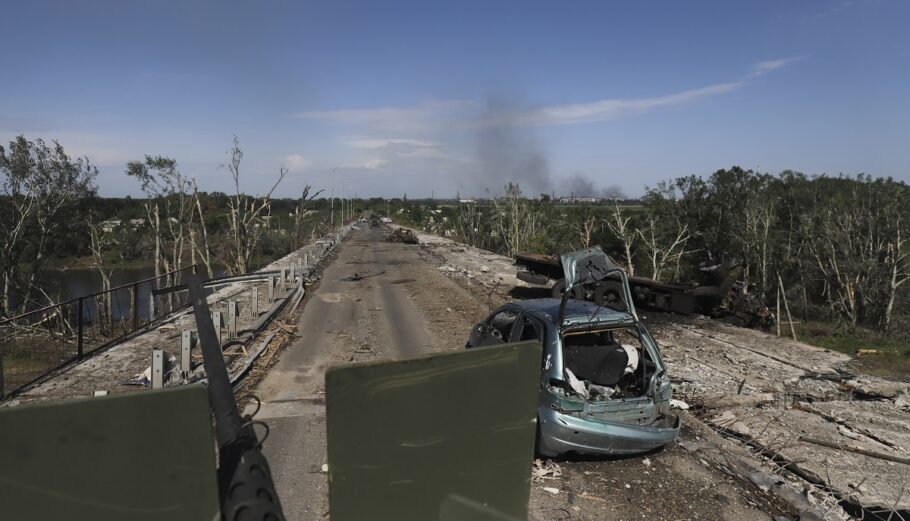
column 478, row 335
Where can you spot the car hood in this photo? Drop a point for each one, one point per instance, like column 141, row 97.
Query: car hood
column 586, row 266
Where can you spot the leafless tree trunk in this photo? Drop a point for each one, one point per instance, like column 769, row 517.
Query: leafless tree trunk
column 300, row 213
column 588, row 227
column 758, row 225
column 248, row 215
column 515, row 220
column 22, row 213
column 896, row 262
column 103, row 301
column 618, row 224
column 204, row 250
column 663, row 253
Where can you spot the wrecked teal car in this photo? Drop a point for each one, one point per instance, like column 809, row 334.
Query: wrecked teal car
column 604, row 388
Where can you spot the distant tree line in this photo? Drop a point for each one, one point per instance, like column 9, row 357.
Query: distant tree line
column 837, row 246
column 837, row 243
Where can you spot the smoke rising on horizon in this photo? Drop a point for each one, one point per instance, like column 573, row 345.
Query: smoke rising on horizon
column 506, row 152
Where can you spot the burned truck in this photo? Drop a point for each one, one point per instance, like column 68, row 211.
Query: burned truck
column 719, row 293
column 543, row 270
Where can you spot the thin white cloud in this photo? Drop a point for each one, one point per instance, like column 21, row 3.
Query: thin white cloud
column 611, row 108
column 296, row 162
column 466, row 114
column 394, row 120
column 377, row 143
column 423, row 153
column 375, row 163
column 764, row 67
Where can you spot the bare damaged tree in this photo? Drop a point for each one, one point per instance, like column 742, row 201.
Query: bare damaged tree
column 300, row 214
column 664, row 247
column 759, row 221
column 845, row 246
column 248, row 216
column 38, row 185
column 166, row 188
column 471, row 225
column 618, row 224
column 896, row 262
column 590, row 224
column 103, row 303
column 203, row 249
column 516, row 222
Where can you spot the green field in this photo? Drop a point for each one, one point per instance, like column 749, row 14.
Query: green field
column 882, row 356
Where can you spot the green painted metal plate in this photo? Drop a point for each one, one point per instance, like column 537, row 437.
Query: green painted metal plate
column 406, row 437
column 139, row 456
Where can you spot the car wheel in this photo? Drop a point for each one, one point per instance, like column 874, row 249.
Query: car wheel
column 609, row 294
column 559, row 289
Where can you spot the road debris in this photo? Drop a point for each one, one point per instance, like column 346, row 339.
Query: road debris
column 545, row 469
column 404, row 235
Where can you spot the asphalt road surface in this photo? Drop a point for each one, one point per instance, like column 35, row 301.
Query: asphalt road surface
column 385, row 300
column 366, row 307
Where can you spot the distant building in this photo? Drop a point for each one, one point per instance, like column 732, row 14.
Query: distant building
column 110, row 225
column 579, row 200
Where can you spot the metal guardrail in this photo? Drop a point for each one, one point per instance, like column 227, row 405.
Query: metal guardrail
column 39, row 342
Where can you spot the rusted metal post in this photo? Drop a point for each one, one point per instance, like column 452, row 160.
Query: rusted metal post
column 79, row 336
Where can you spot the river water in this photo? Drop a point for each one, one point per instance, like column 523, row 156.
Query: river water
column 63, row 285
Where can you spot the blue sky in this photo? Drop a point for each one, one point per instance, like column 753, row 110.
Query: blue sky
column 424, row 97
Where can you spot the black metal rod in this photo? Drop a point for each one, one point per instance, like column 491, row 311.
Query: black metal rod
column 79, row 337
column 90, row 295
column 245, row 487
column 221, row 396
column 134, row 305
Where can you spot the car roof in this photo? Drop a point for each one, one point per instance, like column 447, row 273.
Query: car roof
column 577, row 312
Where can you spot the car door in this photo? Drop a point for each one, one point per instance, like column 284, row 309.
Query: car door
column 527, row 328
column 497, row 329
